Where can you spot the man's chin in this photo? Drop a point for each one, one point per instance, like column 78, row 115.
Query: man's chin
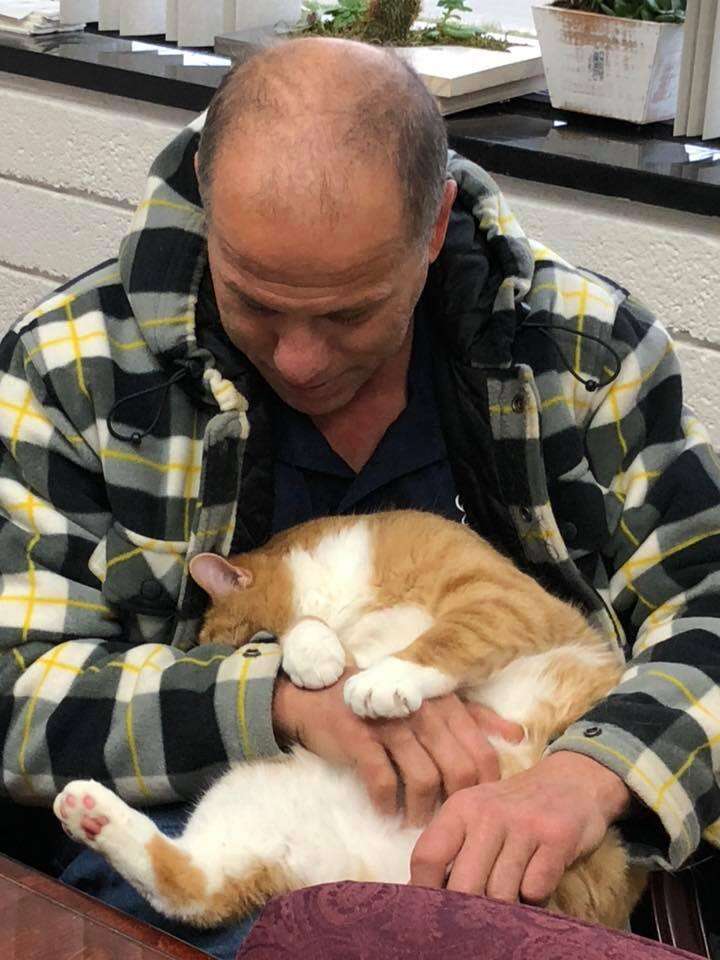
column 315, row 403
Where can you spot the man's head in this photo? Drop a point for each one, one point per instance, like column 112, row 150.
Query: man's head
column 322, row 168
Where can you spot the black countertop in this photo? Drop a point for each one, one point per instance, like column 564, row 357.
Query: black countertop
column 522, row 138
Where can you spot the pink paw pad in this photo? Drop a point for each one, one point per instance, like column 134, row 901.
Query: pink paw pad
column 93, row 825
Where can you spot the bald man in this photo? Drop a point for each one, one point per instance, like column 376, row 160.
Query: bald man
column 318, row 310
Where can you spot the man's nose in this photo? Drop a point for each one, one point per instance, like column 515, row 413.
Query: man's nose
column 300, row 358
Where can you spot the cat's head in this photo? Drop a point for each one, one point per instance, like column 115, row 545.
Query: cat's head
column 229, row 619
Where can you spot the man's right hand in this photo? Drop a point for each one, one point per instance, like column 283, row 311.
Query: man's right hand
column 440, row 749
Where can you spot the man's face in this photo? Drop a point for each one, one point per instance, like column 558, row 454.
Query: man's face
column 317, row 303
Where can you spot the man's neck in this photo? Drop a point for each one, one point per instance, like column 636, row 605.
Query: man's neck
column 355, row 430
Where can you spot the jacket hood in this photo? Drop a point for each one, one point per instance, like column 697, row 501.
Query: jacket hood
column 163, row 257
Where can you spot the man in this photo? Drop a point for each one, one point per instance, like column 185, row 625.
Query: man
column 317, row 313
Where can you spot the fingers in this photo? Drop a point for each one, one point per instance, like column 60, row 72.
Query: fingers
column 474, row 744
column 377, row 773
column 475, row 862
column 509, row 868
column 453, row 744
column 419, row 773
column 543, row 874
column 438, row 846
column 492, row 724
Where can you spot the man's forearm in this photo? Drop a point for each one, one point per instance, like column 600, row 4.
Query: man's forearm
column 151, row 721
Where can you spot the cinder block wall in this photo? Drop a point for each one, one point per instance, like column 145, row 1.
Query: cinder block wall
column 73, row 164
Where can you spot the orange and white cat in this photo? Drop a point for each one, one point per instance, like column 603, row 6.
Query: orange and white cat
column 421, row 607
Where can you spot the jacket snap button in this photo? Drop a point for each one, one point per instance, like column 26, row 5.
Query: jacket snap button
column 518, row 403
column 592, row 731
column 569, row 532
column 151, row 590
column 526, row 514
column 251, row 652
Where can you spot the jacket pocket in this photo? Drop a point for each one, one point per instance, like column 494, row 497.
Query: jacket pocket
column 139, row 574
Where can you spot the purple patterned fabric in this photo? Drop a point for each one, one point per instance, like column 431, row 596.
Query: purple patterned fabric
column 372, row 921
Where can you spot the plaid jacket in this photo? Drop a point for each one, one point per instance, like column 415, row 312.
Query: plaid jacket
column 613, row 493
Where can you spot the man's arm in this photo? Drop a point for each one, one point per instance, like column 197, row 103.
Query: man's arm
column 655, row 737
column 76, row 698
column 659, row 730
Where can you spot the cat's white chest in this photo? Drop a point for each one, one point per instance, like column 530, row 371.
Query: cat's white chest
column 384, row 632
column 334, row 582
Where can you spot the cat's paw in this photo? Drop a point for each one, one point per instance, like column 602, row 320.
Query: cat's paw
column 394, row 688
column 313, row 656
column 86, row 809
column 379, row 692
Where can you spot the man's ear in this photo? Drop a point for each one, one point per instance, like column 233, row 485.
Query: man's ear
column 437, row 238
column 217, row 576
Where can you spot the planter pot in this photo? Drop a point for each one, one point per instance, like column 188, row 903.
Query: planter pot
column 610, row 66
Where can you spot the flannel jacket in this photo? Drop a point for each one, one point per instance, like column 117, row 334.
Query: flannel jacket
column 121, row 458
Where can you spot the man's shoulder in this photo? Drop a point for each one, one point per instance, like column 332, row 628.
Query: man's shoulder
column 85, row 309
column 589, row 301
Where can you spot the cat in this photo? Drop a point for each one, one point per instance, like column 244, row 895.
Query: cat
column 421, row 606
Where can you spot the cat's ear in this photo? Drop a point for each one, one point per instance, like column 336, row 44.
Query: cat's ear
column 217, row 576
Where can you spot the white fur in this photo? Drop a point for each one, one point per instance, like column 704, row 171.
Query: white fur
column 314, row 819
column 313, row 657
column 301, row 812
column 380, row 633
column 518, row 689
column 394, row 688
column 333, row 581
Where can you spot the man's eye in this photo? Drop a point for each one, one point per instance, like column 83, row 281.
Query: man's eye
column 348, row 319
column 256, row 308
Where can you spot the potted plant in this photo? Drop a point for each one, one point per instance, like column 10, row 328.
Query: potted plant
column 392, row 22
column 613, row 58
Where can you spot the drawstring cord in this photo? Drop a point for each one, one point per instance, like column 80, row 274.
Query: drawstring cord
column 214, row 378
column 135, row 438
column 590, row 384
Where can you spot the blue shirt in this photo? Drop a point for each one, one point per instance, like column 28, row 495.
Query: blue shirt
column 409, row 468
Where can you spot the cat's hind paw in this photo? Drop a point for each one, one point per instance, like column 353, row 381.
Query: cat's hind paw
column 86, row 809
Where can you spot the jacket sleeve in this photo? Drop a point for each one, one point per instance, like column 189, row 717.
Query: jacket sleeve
column 78, row 699
column 660, row 728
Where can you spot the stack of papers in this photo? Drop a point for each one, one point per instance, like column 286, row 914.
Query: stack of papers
column 33, row 17
column 698, row 108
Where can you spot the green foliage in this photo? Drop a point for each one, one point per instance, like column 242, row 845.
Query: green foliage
column 662, row 11
column 343, row 18
column 389, row 21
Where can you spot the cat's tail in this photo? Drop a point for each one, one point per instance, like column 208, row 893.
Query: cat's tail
column 176, row 880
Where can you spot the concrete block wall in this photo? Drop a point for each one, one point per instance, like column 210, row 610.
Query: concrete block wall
column 72, row 167
column 73, row 164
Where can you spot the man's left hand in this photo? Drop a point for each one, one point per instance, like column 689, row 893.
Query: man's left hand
column 515, row 838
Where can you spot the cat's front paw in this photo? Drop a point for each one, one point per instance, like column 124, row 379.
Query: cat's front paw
column 381, row 691
column 394, row 688
column 313, row 656
column 86, row 808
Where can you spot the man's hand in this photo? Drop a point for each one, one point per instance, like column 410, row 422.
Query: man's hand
column 434, row 753
column 518, row 836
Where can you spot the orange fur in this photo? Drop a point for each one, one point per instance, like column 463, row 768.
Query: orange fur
column 183, row 884
column 486, row 613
